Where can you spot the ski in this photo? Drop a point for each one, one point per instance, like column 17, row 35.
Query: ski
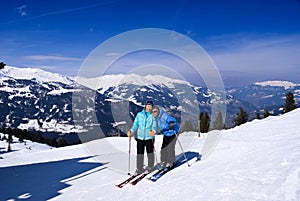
column 159, row 174
column 142, row 176
column 126, row 181
column 163, row 171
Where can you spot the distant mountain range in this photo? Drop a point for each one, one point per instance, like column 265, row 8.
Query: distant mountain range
column 41, row 101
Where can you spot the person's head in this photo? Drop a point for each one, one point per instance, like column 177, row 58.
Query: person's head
column 148, row 106
column 155, row 111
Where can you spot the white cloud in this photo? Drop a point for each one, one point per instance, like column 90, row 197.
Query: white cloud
column 22, row 10
column 113, row 54
column 258, row 54
column 50, row 58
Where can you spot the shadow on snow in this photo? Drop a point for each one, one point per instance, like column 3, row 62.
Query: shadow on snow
column 42, row 181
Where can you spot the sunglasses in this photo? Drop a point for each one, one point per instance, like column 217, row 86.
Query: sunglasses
column 154, row 111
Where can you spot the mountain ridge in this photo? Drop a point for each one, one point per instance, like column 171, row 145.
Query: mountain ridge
column 43, row 101
column 114, row 79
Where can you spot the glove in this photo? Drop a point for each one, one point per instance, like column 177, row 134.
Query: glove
column 171, row 125
column 129, row 133
column 152, row 133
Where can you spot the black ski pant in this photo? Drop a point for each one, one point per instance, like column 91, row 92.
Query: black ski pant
column 141, row 144
column 167, row 152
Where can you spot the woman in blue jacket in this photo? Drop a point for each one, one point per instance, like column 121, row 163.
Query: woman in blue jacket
column 167, row 125
column 145, row 126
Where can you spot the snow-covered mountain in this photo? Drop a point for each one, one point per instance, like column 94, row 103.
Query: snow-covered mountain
column 259, row 160
column 37, row 100
column 269, row 95
column 278, row 83
column 39, row 75
column 254, row 98
column 107, row 81
column 41, row 101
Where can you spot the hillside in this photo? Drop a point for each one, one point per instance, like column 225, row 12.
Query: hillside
column 42, row 101
column 259, row 160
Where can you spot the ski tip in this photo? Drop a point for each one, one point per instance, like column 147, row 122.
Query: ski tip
column 153, row 180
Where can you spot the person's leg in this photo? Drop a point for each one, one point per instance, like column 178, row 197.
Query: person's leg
column 171, row 149
column 167, row 149
column 150, row 155
column 140, row 154
column 163, row 151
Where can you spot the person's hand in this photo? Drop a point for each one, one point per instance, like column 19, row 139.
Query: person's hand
column 152, row 133
column 171, row 125
column 129, row 133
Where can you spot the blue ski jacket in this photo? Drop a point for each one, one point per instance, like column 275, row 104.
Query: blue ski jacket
column 163, row 124
column 143, row 123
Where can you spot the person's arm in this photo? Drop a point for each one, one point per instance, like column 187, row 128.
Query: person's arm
column 135, row 125
column 177, row 128
column 173, row 125
column 154, row 124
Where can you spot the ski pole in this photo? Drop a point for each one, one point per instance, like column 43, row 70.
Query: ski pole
column 129, row 151
column 182, row 150
column 154, row 150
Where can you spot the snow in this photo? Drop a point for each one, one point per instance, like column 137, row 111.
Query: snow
column 106, row 81
column 259, row 160
column 33, row 73
column 277, row 83
column 61, row 90
column 19, row 149
column 51, row 126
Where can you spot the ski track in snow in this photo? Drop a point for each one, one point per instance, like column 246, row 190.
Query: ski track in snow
column 259, row 160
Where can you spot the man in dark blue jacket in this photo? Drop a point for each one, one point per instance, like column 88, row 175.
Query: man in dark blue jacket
column 167, row 125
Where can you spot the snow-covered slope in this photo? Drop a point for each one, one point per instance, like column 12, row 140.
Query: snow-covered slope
column 19, row 149
column 259, row 160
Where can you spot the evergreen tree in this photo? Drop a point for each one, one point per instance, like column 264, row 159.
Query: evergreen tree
column 187, row 126
column 204, row 122
column 289, row 102
column 61, row 142
column 4, row 137
column 53, row 143
column 21, row 138
column 218, row 124
column 2, row 65
column 8, row 148
column 39, row 138
column 10, row 138
column 266, row 113
column 241, row 117
column 257, row 116
column 77, row 142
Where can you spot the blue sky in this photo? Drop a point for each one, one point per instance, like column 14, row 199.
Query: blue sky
column 248, row 40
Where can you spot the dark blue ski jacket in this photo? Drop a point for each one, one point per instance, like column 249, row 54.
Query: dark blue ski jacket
column 166, row 124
